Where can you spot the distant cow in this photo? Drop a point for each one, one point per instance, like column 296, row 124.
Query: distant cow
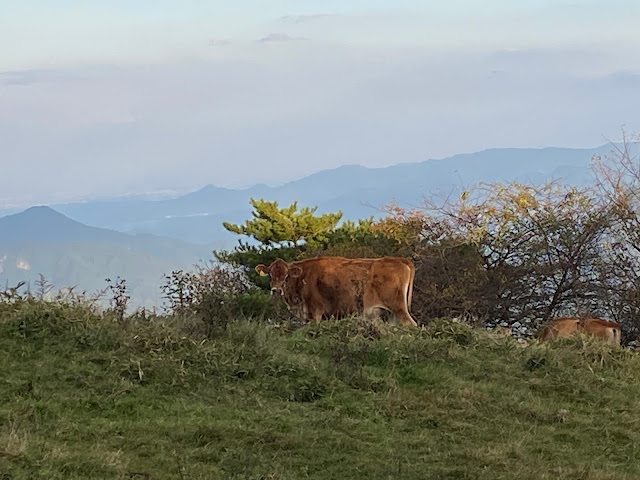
column 565, row 327
column 336, row 286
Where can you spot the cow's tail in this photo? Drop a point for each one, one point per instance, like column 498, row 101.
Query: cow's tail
column 615, row 332
column 412, row 276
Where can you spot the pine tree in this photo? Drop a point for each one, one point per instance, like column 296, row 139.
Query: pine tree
column 273, row 226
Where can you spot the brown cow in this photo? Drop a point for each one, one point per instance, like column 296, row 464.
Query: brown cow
column 567, row 326
column 336, row 286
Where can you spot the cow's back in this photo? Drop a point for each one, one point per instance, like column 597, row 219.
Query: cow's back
column 610, row 331
column 560, row 328
column 388, row 270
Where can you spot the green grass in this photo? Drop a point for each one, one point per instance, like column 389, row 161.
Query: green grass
column 83, row 397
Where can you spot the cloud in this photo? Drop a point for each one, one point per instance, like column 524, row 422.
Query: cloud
column 26, row 77
column 15, row 78
column 298, row 19
column 279, row 38
column 220, row 43
column 274, row 114
column 60, row 76
column 625, row 79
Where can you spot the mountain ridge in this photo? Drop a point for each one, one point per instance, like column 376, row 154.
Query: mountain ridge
column 41, row 240
column 358, row 191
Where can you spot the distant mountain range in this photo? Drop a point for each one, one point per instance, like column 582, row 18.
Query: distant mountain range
column 357, row 191
column 140, row 238
column 68, row 253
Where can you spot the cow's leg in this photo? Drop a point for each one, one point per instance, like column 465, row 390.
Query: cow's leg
column 314, row 313
column 398, row 314
column 397, row 305
column 392, row 293
column 404, row 317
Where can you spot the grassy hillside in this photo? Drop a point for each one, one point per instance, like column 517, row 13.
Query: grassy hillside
column 84, row 397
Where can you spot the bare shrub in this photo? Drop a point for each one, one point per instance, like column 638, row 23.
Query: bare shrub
column 43, row 287
column 216, row 295
column 12, row 294
column 184, row 290
column 119, row 298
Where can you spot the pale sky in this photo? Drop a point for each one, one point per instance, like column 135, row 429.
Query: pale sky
column 106, row 98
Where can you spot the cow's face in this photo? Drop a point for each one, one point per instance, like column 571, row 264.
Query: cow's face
column 279, row 271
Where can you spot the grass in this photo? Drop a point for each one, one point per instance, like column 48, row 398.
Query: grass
column 84, row 397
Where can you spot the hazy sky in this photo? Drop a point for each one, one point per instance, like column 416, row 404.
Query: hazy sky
column 104, row 98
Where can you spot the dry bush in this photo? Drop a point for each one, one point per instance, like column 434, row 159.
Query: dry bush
column 217, row 295
column 184, row 290
column 507, row 252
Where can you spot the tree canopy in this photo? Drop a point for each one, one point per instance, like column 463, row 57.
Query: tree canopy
column 286, row 227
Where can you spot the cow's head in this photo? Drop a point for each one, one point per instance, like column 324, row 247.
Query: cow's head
column 279, row 271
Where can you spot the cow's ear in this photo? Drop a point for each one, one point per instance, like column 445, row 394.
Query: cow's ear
column 263, row 270
column 295, row 271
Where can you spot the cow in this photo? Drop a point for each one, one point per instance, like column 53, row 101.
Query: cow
column 326, row 287
column 567, row 326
